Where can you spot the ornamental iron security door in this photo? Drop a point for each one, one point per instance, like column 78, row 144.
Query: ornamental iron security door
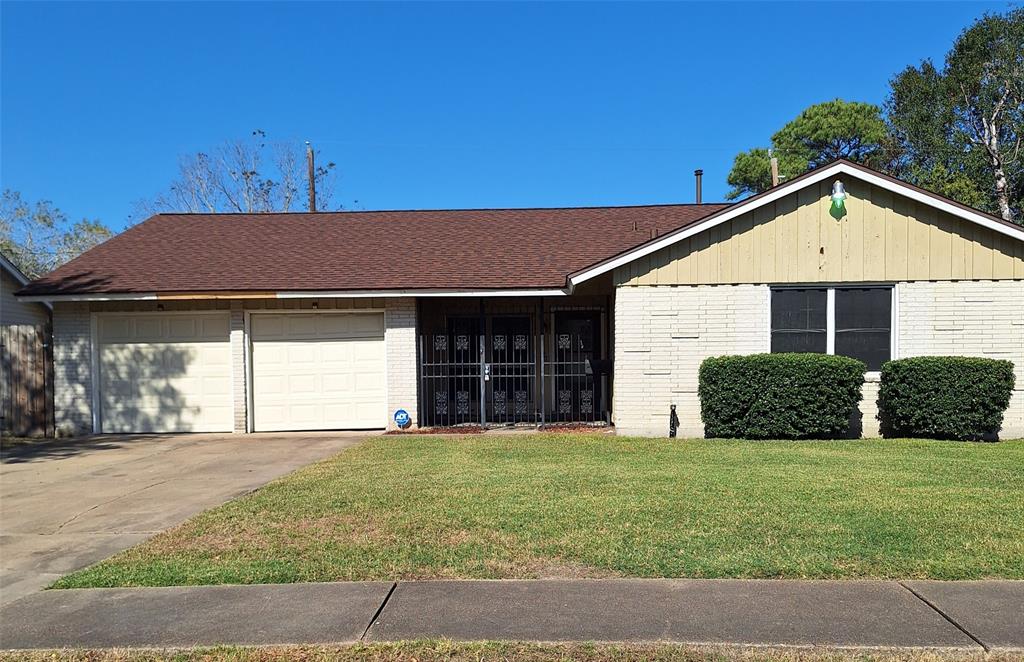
column 503, row 370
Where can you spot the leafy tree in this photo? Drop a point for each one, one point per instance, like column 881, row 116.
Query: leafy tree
column 822, row 133
column 38, row 237
column 960, row 128
column 249, row 176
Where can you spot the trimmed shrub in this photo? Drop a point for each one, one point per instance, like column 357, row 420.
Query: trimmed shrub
column 779, row 396
column 944, row 397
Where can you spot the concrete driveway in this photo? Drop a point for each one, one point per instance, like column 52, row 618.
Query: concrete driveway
column 67, row 504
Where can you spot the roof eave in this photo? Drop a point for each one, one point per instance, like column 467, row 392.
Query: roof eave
column 295, row 294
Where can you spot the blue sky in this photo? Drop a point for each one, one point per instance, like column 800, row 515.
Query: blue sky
column 435, row 105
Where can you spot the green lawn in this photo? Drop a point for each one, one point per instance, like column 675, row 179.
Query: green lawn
column 407, row 507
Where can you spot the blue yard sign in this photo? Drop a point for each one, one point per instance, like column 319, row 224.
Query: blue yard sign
column 402, row 419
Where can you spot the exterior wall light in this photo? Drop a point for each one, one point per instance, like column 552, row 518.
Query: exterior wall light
column 838, row 199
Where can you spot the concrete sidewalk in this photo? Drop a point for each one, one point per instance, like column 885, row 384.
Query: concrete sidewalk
column 980, row 615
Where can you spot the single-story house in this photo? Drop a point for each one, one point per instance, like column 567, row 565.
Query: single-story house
column 300, row 321
column 26, row 403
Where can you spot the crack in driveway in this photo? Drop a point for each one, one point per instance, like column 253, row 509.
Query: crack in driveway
column 103, row 503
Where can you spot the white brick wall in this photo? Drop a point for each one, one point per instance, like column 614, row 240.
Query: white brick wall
column 967, row 318
column 72, row 339
column 400, row 339
column 72, row 369
column 661, row 336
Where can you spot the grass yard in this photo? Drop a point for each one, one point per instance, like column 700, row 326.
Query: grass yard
column 449, row 651
column 487, row 506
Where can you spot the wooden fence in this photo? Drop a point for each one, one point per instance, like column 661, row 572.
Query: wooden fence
column 26, row 385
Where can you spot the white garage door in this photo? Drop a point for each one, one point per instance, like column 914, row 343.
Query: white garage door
column 165, row 373
column 318, row 371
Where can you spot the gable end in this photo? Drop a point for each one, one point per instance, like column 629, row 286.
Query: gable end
column 884, row 236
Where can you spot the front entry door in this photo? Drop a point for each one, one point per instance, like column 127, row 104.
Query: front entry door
column 578, row 373
column 482, row 370
column 510, row 369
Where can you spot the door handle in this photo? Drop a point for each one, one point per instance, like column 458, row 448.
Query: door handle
column 487, row 372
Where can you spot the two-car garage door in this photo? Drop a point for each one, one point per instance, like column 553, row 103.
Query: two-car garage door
column 173, row 372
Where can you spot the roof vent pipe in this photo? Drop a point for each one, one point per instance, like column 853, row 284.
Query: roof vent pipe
column 699, row 174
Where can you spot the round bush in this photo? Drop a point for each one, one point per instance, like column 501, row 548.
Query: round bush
column 944, row 397
column 779, row 396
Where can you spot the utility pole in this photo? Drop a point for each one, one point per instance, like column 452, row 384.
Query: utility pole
column 775, row 169
column 311, row 175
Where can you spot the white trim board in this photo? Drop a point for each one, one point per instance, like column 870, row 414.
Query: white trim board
column 311, row 294
column 783, row 190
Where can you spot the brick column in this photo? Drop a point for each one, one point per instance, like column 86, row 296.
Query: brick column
column 239, row 367
column 72, row 374
column 400, row 347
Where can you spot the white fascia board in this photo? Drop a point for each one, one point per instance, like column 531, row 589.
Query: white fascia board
column 365, row 294
column 782, row 191
column 313, row 294
column 942, row 205
column 53, row 298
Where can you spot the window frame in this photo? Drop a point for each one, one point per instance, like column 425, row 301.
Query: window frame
column 830, row 314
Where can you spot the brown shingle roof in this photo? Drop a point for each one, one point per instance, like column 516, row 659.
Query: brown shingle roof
column 386, row 250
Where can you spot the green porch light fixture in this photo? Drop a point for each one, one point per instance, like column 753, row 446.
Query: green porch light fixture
column 838, row 200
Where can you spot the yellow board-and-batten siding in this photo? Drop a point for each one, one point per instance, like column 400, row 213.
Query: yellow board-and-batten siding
column 883, row 237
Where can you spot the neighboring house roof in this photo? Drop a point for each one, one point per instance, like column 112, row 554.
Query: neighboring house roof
column 13, row 270
column 840, row 167
column 20, row 279
column 467, row 250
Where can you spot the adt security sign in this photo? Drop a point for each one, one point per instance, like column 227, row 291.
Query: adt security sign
column 402, row 419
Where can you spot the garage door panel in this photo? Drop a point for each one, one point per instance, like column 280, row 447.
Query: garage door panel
column 368, row 327
column 182, row 328
column 114, row 329
column 216, row 384
column 303, row 384
column 263, row 327
column 334, row 326
column 301, row 326
column 306, row 371
column 268, row 386
column 338, row 384
column 337, row 352
column 155, row 377
column 148, row 327
column 215, row 327
column 273, row 355
column 302, row 352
